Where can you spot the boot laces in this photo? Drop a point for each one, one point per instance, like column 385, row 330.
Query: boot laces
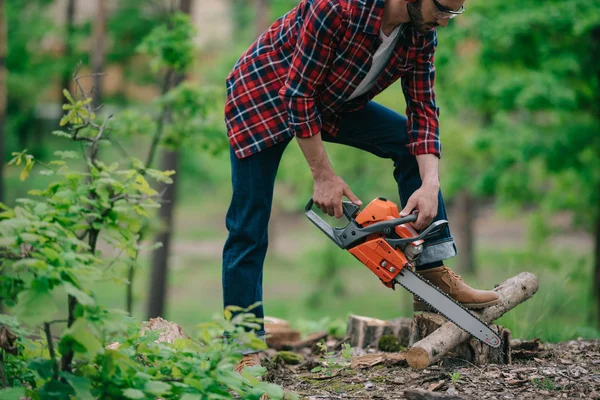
column 456, row 277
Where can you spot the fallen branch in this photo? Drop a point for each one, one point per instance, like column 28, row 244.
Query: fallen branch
column 432, row 348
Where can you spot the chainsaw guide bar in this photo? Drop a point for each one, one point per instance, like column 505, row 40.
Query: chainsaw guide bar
column 386, row 244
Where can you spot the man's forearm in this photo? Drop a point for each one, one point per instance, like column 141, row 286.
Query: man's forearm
column 429, row 169
column 315, row 155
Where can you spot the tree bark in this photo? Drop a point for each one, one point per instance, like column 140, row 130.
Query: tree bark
column 3, row 77
column 472, row 350
column 596, row 41
column 98, row 51
column 65, row 82
column 462, row 228
column 364, row 332
column 597, row 267
column 432, row 348
column 160, row 259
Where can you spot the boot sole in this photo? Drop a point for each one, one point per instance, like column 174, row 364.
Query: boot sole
column 420, row 306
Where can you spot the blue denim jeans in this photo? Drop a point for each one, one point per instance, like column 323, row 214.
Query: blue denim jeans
column 375, row 129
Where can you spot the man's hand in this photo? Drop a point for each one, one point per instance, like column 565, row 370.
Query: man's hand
column 328, row 192
column 329, row 188
column 425, row 201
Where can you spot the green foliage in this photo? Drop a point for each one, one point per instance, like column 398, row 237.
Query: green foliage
column 330, row 362
column 455, row 376
column 171, row 46
column 48, row 247
column 523, row 73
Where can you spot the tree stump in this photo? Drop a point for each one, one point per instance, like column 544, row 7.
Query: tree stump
column 279, row 334
column 436, row 345
column 365, row 331
column 471, row 350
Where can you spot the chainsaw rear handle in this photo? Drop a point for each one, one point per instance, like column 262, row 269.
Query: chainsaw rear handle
column 352, row 233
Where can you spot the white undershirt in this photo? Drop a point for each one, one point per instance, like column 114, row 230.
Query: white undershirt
column 380, row 60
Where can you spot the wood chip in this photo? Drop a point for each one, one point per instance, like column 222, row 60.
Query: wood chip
column 370, row 360
column 434, row 386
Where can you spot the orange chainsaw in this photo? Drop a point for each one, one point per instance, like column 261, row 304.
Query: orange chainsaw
column 390, row 247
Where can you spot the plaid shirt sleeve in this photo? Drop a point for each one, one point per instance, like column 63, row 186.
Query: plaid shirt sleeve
column 313, row 55
column 421, row 110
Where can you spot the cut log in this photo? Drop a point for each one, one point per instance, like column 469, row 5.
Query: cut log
column 279, row 334
column 471, row 350
column 169, row 331
column 432, row 348
column 365, row 331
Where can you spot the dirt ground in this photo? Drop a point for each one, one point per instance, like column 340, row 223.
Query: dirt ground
column 568, row 370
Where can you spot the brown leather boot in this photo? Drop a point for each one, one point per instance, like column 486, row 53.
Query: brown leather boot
column 249, row 360
column 453, row 285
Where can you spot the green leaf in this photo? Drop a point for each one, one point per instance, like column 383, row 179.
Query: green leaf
column 26, row 170
column 188, row 396
column 34, row 307
column 56, row 390
column 83, row 298
column 8, row 241
column 133, row 394
column 273, row 391
column 157, row 388
column 62, row 134
column 42, row 366
column 13, row 393
column 81, row 333
column 81, row 385
column 66, row 154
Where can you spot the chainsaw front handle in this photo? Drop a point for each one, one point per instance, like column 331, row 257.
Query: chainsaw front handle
column 348, row 236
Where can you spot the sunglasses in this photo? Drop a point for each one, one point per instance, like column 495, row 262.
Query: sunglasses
column 453, row 13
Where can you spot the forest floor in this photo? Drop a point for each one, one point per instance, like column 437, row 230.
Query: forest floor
column 569, row 370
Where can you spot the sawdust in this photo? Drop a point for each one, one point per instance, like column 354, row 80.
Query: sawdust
column 569, row 370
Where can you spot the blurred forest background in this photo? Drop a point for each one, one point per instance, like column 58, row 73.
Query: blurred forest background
column 518, row 85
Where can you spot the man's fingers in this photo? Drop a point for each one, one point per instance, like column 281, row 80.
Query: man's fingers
column 410, row 205
column 338, row 209
column 351, row 196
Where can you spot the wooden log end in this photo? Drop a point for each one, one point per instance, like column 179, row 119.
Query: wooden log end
column 418, row 358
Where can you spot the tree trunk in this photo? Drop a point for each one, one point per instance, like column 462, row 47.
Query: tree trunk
column 262, row 16
column 595, row 50
column 65, row 82
column 160, row 259
column 3, row 77
column 436, row 345
column 98, row 51
column 597, row 267
column 462, row 229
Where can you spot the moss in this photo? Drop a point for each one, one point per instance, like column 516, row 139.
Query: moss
column 288, row 357
column 389, row 343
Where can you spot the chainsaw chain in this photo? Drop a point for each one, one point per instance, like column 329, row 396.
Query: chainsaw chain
column 449, row 298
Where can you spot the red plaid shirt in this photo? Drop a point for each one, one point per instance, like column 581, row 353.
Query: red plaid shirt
column 296, row 78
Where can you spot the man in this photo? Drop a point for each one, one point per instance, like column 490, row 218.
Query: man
column 312, row 76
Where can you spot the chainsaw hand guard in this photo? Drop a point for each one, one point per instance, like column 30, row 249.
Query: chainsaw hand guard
column 354, row 232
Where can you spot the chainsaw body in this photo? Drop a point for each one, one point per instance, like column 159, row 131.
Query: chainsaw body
column 378, row 237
